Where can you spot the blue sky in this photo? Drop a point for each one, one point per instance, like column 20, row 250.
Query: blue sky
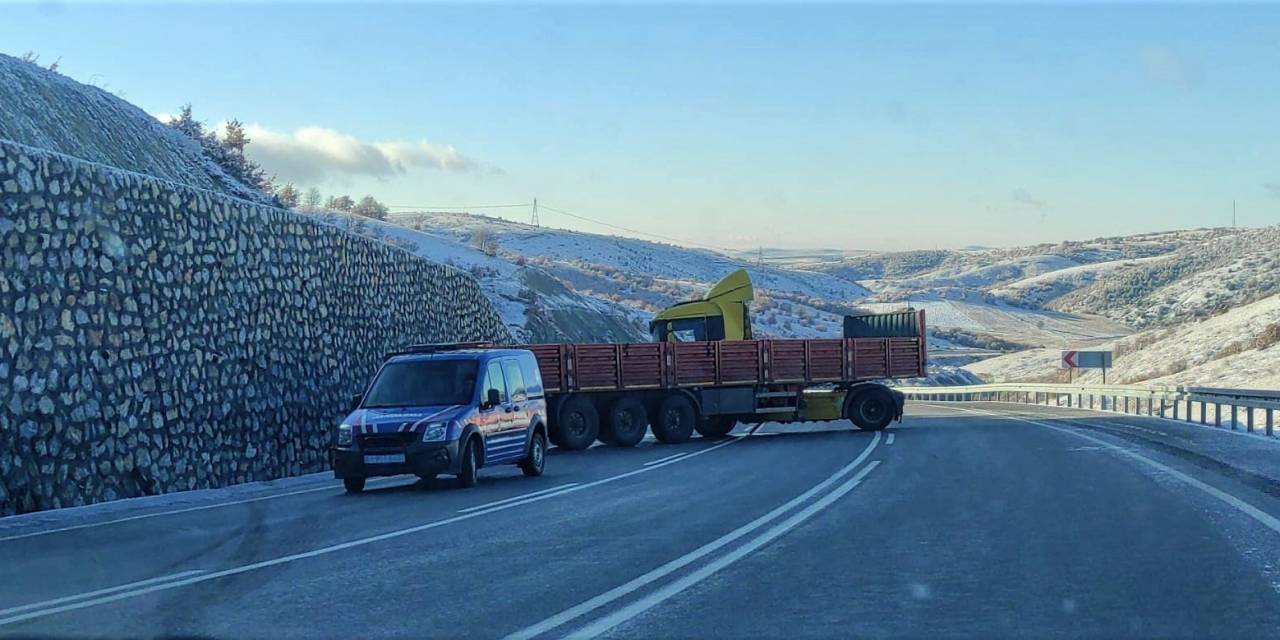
column 876, row 127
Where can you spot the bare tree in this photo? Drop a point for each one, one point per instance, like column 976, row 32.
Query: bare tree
column 288, row 196
column 312, row 199
column 482, row 239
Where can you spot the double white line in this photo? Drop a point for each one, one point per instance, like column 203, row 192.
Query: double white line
column 47, row 607
column 122, row 592
column 635, row 608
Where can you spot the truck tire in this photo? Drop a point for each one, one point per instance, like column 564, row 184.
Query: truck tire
column 675, row 420
column 578, row 422
column 715, row 427
column 353, row 485
column 625, row 423
column 469, row 472
column 871, row 409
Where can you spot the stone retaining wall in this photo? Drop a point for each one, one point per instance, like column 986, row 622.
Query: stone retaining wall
column 156, row 337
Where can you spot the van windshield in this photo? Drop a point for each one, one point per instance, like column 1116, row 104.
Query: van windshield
column 423, row 382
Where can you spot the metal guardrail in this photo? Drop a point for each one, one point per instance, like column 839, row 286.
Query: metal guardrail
column 1177, row 403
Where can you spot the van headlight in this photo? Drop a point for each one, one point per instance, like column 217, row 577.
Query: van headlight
column 344, row 435
column 435, row 431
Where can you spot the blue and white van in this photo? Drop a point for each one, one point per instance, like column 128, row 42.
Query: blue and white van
column 450, row 409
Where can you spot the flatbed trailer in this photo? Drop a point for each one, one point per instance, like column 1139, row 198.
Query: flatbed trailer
column 611, row 391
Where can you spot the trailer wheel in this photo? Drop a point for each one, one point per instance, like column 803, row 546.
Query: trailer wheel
column 715, row 427
column 871, row 410
column 624, row 423
column 578, row 423
column 675, row 420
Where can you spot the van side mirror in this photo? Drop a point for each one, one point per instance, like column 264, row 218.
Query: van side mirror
column 356, row 400
column 492, row 399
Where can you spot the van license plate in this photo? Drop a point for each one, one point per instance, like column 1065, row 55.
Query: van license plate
column 394, row 458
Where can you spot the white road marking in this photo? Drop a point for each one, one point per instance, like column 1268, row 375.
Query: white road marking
column 674, row 565
column 99, row 592
column 218, row 505
column 105, row 599
column 661, row 595
column 1257, row 514
column 889, row 439
column 519, row 497
column 670, row 457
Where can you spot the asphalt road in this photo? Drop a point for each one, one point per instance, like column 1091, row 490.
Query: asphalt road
column 982, row 520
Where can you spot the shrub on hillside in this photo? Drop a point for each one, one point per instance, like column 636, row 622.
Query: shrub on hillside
column 1268, row 337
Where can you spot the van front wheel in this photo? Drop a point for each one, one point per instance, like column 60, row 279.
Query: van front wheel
column 468, row 474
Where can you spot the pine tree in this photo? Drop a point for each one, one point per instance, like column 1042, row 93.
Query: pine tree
column 234, row 137
column 187, row 123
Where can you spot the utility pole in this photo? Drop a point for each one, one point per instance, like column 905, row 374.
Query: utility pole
column 535, row 212
column 1233, row 213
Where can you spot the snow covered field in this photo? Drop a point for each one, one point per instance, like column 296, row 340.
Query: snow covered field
column 1235, row 349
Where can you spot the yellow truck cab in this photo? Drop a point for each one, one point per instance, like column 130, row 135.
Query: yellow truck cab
column 722, row 314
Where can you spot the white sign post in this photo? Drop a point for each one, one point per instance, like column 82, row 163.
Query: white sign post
column 1072, row 360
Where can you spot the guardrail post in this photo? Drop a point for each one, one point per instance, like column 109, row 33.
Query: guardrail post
column 1249, row 420
column 1091, row 401
column 1150, row 401
column 1161, row 407
column 1126, row 404
column 1204, row 410
column 1217, row 414
column 1175, row 409
column 1268, row 421
column 1233, row 417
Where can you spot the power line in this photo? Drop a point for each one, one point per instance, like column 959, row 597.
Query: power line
column 637, row 231
column 467, row 206
column 537, row 206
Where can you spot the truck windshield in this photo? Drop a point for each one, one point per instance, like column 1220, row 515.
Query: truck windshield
column 422, row 383
column 689, row 329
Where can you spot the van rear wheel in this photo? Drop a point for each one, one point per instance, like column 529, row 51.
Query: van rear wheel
column 535, row 461
column 353, row 485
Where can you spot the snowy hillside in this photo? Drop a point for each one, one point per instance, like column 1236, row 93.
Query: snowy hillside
column 534, row 305
column 1234, row 349
column 1146, row 280
column 649, row 276
column 60, row 114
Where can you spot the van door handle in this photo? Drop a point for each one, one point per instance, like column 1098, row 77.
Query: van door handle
column 509, row 408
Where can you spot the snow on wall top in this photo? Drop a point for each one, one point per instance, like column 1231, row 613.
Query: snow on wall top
column 53, row 112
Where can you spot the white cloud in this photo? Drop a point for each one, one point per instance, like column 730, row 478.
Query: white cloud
column 314, row 154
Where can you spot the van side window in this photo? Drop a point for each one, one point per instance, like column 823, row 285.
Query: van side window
column 493, row 380
column 515, row 381
column 532, row 377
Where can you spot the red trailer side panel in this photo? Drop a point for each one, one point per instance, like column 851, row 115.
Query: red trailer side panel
column 642, row 365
